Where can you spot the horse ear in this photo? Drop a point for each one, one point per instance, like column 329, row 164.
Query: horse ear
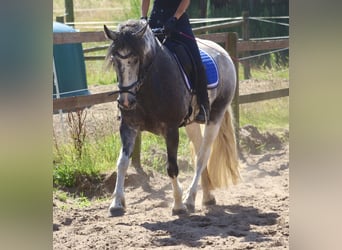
column 113, row 35
column 141, row 32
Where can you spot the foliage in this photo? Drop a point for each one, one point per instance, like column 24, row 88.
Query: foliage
column 97, row 71
column 97, row 156
column 269, row 115
column 76, row 122
column 134, row 9
column 257, row 28
column 153, row 151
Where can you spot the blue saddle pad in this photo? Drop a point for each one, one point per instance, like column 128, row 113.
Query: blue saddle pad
column 210, row 69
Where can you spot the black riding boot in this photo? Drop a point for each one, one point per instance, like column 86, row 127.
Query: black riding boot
column 202, row 97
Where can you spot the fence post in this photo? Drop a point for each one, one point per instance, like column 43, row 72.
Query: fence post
column 245, row 37
column 69, row 11
column 136, row 152
column 231, row 47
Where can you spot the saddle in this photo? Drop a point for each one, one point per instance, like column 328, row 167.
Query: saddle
column 188, row 66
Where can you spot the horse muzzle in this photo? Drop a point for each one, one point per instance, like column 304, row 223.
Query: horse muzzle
column 127, row 101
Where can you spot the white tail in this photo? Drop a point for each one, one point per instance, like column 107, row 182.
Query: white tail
column 223, row 164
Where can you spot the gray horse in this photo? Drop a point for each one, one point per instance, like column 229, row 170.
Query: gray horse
column 154, row 97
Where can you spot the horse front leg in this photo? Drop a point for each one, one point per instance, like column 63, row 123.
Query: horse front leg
column 128, row 135
column 172, row 141
column 203, row 154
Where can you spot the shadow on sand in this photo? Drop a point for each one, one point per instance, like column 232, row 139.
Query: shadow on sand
column 222, row 221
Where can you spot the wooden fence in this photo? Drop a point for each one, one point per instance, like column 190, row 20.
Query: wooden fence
column 229, row 40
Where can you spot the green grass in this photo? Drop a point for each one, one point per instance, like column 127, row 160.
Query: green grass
column 105, row 11
column 97, row 156
column 82, row 201
column 71, row 200
column 98, row 72
column 264, row 73
column 153, row 151
column 61, row 195
column 271, row 115
column 101, row 155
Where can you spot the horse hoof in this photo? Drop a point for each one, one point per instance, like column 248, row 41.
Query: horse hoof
column 190, row 208
column 116, row 211
column 210, row 202
column 179, row 211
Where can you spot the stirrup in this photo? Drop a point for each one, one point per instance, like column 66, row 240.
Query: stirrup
column 205, row 116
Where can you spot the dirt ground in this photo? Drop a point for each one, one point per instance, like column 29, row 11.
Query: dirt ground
column 251, row 215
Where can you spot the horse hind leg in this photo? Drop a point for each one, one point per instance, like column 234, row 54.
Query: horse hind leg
column 118, row 205
column 223, row 164
column 203, row 153
column 194, row 133
column 208, row 198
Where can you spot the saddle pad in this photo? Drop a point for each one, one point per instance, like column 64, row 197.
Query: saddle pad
column 210, row 69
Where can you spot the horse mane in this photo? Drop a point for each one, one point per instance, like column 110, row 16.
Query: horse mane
column 127, row 39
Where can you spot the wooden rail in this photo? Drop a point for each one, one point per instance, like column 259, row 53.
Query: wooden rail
column 229, row 40
column 78, row 102
column 217, row 26
column 254, row 45
column 242, row 46
column 78, row 37
column 262, row 96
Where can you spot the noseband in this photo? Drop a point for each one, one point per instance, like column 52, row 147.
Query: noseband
column 126, row 89
column 141, row 77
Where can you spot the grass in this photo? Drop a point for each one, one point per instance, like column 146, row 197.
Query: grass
column 104, row 11
column 270, row 115
column 98, row 73
column 97, row 156
column 100, row 155
column 70, row 200
column 153, row 151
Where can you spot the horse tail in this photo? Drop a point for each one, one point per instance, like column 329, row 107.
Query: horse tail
column 223, row 164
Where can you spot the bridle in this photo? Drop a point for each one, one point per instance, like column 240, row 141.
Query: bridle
column 141, row 75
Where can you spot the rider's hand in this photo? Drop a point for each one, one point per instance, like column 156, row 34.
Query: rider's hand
column 170, row 25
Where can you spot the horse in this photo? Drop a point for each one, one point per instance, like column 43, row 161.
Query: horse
column 153, row 97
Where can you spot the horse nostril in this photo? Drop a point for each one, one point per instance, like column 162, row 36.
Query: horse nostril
column 126, row 102
column 119, row 101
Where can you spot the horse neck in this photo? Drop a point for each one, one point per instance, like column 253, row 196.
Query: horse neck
column 151, row 49
column 151, row 54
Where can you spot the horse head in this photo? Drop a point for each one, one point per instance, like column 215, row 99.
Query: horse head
column 127, row 53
